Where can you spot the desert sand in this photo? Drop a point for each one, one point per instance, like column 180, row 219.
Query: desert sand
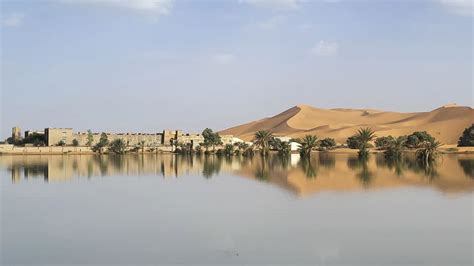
column 446, row 123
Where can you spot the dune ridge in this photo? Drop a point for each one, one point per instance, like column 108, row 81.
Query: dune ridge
column 445, row 123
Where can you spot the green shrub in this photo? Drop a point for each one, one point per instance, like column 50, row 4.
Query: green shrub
column 327, row 143
column 118, row 146
column 384, row 142
column 75, row 142
column 467, row 138
column 416, row 138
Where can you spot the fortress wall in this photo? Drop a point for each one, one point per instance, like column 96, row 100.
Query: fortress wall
column 131, row 139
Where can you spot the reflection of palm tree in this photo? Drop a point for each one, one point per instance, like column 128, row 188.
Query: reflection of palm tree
column 284, row 161
column 327, row 160
column 211, row 166
column 308, row 167
column 396, row 163
column 364, row 175
column 262, row 171
column 429, row 170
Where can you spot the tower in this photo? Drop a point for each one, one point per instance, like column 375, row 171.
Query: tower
column 16, row 133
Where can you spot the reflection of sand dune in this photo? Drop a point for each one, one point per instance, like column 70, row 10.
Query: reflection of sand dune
column 342, row 175
column 325, row 171
column 445, row 123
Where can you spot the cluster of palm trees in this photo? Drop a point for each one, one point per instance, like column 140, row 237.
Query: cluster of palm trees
column 264, row 139
column 426, row 153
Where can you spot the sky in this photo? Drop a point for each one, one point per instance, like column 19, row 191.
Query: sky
column 149, row 65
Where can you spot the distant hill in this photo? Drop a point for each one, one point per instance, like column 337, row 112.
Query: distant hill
column 446, row 123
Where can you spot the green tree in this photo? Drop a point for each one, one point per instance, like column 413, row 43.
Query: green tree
column 327, row 143
column 198, row 149
column 211, row 139
column 395, row 148
column 90, row 138
column 103, row 142
column 364, row 135
column 428, row 151
column 141, row 144
column 61, row 143
column 284, row 148
column 33, row 138
column 307, row 144
column 229, row 149
column 353, row 142
column 467, row 138
column 118, row 146
column 417, row 138
column 262, row 140
column 75, row 142
column 384, row 142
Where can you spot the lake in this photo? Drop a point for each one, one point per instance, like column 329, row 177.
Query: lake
column 174, row 209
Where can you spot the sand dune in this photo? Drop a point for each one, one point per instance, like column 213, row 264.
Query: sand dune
column 445, row 123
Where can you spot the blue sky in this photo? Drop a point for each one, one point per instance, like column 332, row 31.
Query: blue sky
column 146, row 65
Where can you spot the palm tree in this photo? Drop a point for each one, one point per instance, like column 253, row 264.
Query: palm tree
column 262, row 139
column 428, row 151
column 395, row 148
column 364, row 135
column 307, row 144
column 284, row 148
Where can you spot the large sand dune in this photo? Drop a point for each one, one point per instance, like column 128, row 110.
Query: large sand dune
column 445, row 123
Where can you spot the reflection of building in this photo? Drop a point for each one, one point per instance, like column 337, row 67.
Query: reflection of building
column 322, row 172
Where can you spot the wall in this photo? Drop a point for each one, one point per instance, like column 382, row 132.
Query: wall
column 132, row 139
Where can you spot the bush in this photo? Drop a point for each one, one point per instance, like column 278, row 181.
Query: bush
column 353, row 142
column 467, row 138
column 384, row 142
column 416, row 138
column 118, row 146
column 327, row 143
column 61, row 143
column 229, row 149
column 75, row 142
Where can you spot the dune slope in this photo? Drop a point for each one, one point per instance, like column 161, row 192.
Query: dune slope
column 445, row 123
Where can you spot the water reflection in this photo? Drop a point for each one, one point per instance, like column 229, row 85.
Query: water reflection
column 323, row 172
column 467, row 166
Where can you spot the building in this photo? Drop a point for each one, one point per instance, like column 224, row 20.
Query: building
column 56, row 136
column 67, row 136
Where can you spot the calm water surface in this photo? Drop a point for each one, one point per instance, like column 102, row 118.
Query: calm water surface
column 167, row 209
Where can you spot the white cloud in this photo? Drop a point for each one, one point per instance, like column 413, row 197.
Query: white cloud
column 459, row 7
column 223, row 59
column 274, row 4
column 154, row 7
column 323, row 48
column 272, row 22
column 13, row 20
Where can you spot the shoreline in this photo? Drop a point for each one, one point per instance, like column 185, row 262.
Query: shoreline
column 22, row 151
